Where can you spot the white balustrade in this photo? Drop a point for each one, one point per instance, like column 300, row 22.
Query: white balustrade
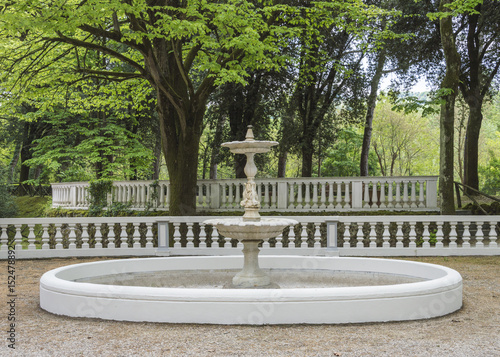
column 301, row 194
column 362, row 236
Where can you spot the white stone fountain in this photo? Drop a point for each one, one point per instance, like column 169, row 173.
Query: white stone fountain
column 328, row 289
column 251, row 229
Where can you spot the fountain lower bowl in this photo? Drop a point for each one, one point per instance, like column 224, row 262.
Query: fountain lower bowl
column 439, row 293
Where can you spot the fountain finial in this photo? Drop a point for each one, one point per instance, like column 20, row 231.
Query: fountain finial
column 249, row 135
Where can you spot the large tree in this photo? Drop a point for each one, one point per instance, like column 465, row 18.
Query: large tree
column 183, row 49
column 480, row 51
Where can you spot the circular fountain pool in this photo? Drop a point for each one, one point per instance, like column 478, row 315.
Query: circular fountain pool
column 314, row 290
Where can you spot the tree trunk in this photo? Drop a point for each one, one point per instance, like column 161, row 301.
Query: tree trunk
column 216, row 147
column 307, row 158
column 282, row 163
column 471, row 151
column 180, row 149
column 372, row 100
column 447, row 115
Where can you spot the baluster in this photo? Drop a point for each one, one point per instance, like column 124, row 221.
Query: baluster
column 190, row 236
column 405, row 194
column 238, row 194
column 72, row 236
column 412, row 236
column 323, row 195
column 398, row 195
column 177, row 235
column 215, row 237
column 279, row 241
column 44, row 240
column 111, row 236
column 331, row 204
column 399, row 235
column 299, row 196
column 31, row 236
column 290, row 195
column 421, row 202
column 439, row 235
column 453, row 235
column 266, row 197
column 136, row 235
column 360, row 236
column 4, row 237
column 315, row 195
column 390, row 194
column 307, row 202
column 382, row 194
column 168, row 195
column 85, row 236
column 58, row 237
column 259, row 193
column 291, row 237
column 203, row 236
column 223, row 192
column 466, row 236
column 492, row 235
column 18, row 237
column 347, row 198
column 231, row 192
column 303, row 236
column 386, row 236
column 426, row 236
column 317, row 235
column 98, row 236
column 265, row 244
column 227, row 242
column 149, row 235
column 479, row 235
column 275, row 195
column 413, row 194
column 366, row 195
column 373, row 235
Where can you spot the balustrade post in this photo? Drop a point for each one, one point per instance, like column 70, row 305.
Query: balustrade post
column 357, row 194
column 58, row 237
column 317, row 235
column 72, row 237
column 453, row 235
column 439, row 235
column 282, row 195
column 303, row 236
column 189, row 236
column 163, row 237
column 431, row 193
column 203, row 236
column 177, row 235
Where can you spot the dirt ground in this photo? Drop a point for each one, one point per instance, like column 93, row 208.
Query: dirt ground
column 472, row 331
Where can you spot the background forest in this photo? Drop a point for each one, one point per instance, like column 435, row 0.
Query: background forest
column 333, row 82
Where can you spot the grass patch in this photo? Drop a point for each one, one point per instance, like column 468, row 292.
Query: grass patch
column 32, row 207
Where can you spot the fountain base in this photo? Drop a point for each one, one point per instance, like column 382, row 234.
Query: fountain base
column 437, row 292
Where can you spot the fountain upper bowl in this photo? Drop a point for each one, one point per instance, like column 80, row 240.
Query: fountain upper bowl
column 240, row 229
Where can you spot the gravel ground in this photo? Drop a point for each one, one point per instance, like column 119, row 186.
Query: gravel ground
column 472, row 331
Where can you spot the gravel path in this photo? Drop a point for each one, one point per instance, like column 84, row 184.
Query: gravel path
column 472, row 331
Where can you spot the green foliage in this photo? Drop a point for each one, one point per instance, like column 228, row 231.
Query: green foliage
column 8, row 207
column 98, row 196
column 491, row 176
column 343, row 157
